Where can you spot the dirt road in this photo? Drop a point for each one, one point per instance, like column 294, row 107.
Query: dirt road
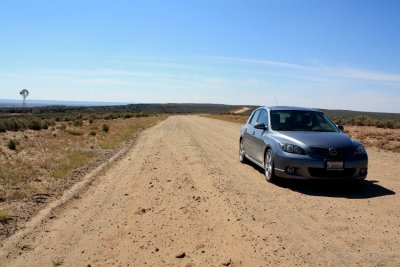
column 181, row 189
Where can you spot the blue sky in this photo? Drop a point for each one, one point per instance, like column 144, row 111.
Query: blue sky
column 342, row 54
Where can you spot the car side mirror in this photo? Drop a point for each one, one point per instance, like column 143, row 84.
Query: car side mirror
column 341, row 128
column 261, row 126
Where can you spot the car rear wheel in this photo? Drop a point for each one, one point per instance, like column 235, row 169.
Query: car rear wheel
column 269, row 166
column 242, row 156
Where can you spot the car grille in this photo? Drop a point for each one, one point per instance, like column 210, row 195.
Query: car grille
column 320, row 172
column 324, row 152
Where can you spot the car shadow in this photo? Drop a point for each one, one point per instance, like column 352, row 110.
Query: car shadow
column 333, row 188
column 339, row 189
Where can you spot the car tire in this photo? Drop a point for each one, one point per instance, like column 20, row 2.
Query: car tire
column 242, row 153
column 269, row 166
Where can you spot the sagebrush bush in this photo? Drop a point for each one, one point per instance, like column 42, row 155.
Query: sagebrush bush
column 35, row 125
column 78, row 122
column 12, row 144
column 3, row 127
column 105, row 128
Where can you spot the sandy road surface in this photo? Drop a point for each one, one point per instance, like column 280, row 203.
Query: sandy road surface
column 182, row 189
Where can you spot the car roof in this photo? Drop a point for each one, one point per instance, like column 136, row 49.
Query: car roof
column 290, row 108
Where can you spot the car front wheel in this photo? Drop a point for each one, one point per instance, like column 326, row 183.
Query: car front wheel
column 242, row 156
column 269, row 166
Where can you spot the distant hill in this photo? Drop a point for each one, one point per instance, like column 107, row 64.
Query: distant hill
column 42, row 103
column 53, row 106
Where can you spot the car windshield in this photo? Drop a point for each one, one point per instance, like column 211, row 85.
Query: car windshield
column 300, row 120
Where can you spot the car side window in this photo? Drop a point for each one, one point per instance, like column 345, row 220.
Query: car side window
column 253, row 120
column 263, row 118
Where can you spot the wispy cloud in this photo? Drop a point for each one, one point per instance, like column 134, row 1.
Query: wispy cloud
column 352, row 73
column 363, row 74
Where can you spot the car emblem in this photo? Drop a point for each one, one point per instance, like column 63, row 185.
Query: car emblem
column 332, row 151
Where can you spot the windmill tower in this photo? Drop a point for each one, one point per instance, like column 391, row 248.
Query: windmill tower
column 24, row 93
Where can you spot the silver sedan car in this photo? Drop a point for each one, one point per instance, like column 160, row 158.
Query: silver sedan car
column 300, row 143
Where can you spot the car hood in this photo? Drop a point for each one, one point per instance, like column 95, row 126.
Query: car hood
column 317, row 139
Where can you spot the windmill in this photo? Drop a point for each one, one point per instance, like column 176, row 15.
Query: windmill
column 24, row 93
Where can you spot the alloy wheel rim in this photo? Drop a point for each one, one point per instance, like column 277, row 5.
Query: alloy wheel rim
column 268, row 169
column 241, row 152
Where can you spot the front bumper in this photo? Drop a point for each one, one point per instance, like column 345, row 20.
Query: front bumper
column 312, row 167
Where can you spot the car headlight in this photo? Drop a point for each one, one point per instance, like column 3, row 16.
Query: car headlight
column 360, row 150
column 289, row 148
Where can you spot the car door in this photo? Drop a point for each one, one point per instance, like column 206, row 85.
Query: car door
column 248, row 135
column 259, row 145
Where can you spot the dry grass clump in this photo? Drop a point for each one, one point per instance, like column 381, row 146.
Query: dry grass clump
column 4, row 216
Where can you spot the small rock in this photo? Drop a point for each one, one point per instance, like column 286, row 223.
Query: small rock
column 227, row 262
column 26, row 247
column 180, row 255
column 141, row 211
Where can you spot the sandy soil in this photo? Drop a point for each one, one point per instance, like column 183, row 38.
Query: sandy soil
column 241, row 110
column 180, row 197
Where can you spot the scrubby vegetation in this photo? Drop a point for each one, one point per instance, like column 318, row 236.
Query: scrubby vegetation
column 364, row 120
column 43, row 153
column 12, row 144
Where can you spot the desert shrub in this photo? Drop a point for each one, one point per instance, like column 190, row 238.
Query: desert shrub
column 45, row 125
column 389, row 124
column 3, row 127
column 385, row 124
column 92, row 132
column 360, row 120
column 12, row 125
column 50, row 122
column 111, row 116
column 91, row 120
column 12, row 144
column 128, row 115
column 105, row 128
column 78, row 122
column 35, row 124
